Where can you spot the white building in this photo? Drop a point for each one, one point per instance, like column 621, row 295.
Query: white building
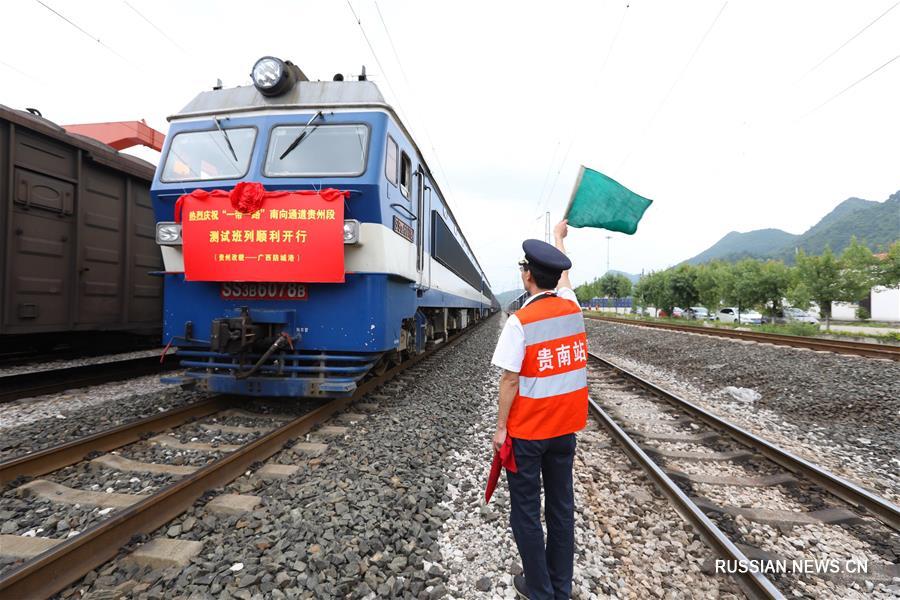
column 884, row 305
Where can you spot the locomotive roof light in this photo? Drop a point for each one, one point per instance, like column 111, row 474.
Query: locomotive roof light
column 273, row 76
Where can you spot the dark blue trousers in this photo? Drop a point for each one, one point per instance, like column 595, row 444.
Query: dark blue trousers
column 548, row 569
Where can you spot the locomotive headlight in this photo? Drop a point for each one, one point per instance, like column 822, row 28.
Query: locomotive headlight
column 168, row 234
column 267, row 72
column 351, row 231
column 272, row 76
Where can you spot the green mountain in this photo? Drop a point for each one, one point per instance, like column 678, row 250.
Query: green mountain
column 874, row 223
column 877, row 224
column 631, row 276
column 753, row 244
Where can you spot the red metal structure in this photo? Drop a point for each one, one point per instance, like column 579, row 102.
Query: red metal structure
column 121, row 134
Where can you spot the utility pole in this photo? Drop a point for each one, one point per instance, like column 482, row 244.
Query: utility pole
column 547, row 228
column 609, row 237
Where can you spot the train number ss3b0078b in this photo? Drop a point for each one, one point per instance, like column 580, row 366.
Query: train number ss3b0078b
column 234, row 290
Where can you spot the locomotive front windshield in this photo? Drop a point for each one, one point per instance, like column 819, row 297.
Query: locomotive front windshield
column 322, row 150
column 204, row 155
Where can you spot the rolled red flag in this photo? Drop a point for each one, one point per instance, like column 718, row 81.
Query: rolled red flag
column 504, row 458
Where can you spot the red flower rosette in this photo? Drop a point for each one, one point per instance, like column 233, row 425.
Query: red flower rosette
column 247, row 196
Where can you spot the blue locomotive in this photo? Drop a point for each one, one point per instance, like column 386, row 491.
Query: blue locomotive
column 410, row 277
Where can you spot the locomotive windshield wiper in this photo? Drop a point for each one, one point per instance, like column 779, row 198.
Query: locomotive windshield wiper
column 302, row 136
column 227, row 139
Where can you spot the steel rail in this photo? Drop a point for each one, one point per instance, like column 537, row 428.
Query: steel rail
column 754, row 584
column 861, row 499
column 56, row 457
column 869, row 350
column 65, row 563
column 36, row 383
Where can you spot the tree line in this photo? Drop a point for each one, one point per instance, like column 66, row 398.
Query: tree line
column 751, row 283
column 611, row 285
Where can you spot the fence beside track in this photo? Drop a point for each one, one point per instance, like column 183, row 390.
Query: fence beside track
column 870, row 350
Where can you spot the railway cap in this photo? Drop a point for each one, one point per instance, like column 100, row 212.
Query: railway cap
column 544, row 255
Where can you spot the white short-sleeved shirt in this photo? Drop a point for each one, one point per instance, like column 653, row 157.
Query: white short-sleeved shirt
column 510, row 350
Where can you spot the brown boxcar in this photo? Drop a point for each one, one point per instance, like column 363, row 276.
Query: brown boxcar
column 78, row 234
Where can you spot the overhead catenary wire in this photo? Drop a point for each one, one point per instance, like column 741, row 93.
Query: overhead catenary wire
column 391, row 41
column 577, row 132
column 559, row 170
column 547, row 175
column 377, row 60
column 154, row 26
column 672, row 87
column 20, row 72
column 853, row 37
column 85, row 32
column 851, row 86
column 423, row 121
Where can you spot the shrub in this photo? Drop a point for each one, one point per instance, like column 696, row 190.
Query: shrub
column 863, row 314
column 807, row 329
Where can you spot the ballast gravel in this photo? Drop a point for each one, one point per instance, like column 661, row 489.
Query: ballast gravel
column 30, row 424
column 629, row 542
column 822, row 542
column 394, row 508
column 838, row 411
column 361, row 520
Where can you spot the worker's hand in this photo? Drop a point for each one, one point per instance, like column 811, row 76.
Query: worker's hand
column 499, row 438
column 561, row 229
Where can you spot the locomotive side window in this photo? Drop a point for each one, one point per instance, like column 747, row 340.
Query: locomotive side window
column 322, row 150
column 405, row 174
column 390, row 161
column 446, row 249
column 205, row 155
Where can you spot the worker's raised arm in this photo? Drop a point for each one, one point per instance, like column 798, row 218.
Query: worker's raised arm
column 560, row 231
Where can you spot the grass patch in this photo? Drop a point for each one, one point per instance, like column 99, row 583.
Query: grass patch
column 803, row 329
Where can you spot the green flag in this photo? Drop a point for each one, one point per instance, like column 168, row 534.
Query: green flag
column 598, row 201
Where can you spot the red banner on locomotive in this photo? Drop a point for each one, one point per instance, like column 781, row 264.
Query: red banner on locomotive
column 294, row 237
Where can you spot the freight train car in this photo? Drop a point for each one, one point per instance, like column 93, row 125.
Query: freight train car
column 78, row 244
column 246, row 303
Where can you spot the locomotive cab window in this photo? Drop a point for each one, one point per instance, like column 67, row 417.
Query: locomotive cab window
column 405, row 174
column 322, row 150
column 390, row 161
column 205, row 155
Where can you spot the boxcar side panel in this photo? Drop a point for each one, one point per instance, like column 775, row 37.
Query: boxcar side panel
column 101, row 246
column 5, row 193
column 39, row 247
column 145, row 301
column 43, row 155
column 78, row 235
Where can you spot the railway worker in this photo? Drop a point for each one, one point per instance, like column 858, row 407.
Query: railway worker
column 543, row 402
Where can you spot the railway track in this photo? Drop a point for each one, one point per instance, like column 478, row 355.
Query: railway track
column 38, row 383
column 19, row 352
column 70, row 559
column 648, row 422
column 870, row 350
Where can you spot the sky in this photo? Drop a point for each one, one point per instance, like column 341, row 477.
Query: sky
column 730, row 115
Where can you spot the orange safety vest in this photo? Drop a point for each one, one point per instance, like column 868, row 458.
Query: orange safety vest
column 553, row 395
